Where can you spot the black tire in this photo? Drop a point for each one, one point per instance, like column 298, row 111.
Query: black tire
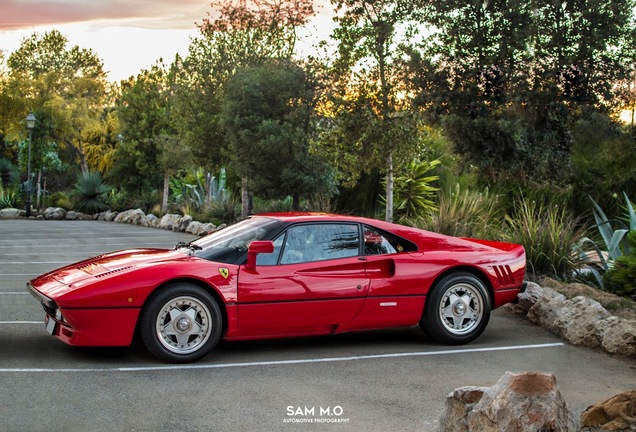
column 181, row 323
column 457, row 309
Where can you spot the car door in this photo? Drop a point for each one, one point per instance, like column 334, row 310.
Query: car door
column 314, row 281
column 396, row 292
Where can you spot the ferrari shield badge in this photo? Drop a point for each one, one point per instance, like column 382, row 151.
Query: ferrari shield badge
column 224, row 272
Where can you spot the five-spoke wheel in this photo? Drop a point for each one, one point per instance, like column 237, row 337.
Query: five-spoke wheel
column 457, row 309
column 181, row 323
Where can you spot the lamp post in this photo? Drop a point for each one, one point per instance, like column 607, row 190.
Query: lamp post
column 30, row 124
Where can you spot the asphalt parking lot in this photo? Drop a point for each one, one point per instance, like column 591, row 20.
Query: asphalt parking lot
column 372, row 381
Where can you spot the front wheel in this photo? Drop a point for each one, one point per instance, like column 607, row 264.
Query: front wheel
column 181, row 323
column 457, row 309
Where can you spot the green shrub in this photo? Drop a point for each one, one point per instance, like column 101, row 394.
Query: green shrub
column 621, row 277
column 548, row 233
column 465, row 213
column 413, row 191
column 60, row 199
column 9, row 199
column 90, row 193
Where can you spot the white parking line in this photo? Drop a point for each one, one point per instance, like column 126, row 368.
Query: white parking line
column 21, row 322
column 280, row 362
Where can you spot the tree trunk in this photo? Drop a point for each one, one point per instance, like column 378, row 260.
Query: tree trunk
column 82, row 155
column 245, row 199
column 166, row 189
column 389, row 187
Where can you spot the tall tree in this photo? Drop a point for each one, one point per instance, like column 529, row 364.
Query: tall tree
column 145, row 111
column 236, row 34
column 369, row 86
column 509, row 78
column 66, row 86
column 267, row 117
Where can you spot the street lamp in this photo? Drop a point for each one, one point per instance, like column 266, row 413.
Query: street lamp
column 30, row 124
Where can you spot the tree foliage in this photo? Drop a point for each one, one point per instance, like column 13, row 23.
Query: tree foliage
column 266, row 115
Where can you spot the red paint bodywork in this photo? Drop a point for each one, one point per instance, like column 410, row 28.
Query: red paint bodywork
column 100, row 299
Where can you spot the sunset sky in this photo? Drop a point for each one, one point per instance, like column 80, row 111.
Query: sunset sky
column 128, row 35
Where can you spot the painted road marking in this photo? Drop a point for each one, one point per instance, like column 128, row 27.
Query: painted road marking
column 280, row 362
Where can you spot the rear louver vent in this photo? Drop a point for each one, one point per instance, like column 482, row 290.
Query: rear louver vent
column 504, row 275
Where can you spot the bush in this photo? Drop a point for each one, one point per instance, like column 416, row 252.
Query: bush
column 465, row 213
column 548, row 233
column 90, row 191
column 621, row 278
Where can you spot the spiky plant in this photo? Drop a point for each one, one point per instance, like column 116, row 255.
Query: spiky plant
column 90, row 193
column 8, row 173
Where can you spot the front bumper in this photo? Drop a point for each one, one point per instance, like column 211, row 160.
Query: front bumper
column 88, row 327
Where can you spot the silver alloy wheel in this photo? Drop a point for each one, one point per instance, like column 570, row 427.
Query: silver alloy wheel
column 184, row 324
column 461, row 308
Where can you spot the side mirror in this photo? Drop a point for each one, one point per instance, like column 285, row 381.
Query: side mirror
column 255, row 248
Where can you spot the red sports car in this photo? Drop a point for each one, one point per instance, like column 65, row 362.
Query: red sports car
column 282, row 275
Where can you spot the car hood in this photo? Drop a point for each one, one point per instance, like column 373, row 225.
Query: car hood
column 111, row 263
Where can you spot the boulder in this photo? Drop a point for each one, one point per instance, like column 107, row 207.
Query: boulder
column 529, row 297
column 546, row 310
column 9, row 213
column 183, row 223
column 614, row 414
column 578, row 321
column 70, row 215
column 618, row 336
column 110, row 216
column 194, row 228
column 519, row 402
column 54, row 213
column 458, row 404
column 150, row 220
column 168, row 221
column 130, row 216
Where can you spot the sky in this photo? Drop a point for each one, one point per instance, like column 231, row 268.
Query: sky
column 128, row 35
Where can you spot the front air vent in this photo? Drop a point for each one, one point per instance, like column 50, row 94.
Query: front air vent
column 92, row 269
column 111, row 272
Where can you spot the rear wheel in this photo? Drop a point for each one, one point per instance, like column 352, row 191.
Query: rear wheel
column 457, row 309
column 181, row 323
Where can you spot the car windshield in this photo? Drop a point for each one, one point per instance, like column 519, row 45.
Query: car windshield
column 230, row 244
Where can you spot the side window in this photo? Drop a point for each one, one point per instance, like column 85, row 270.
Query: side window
column 307, row 243
column 376, row 243
column 271, row 258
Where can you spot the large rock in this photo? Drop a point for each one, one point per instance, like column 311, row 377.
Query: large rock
column 519, row 402
column 54, row 213
column 9, row 213
column 616, row 413
column 618, row 336
column 183, row 223
column 529, row 297
column 130, row 216
column 579, row 321
column 168, row 221
column 150, row 221
column 458, row 404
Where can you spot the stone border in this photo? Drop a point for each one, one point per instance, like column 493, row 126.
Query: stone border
column 171, row 222
column 580, row 321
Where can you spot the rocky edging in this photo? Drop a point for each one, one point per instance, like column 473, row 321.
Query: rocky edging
column 580, row 321
column 171, row 222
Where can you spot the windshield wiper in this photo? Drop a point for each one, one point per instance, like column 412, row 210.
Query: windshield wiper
column 189, row 245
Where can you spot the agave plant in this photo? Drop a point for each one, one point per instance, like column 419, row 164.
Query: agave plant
column 414, row 191
column 8, row 173
column 615, row 241
column 90, row 193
